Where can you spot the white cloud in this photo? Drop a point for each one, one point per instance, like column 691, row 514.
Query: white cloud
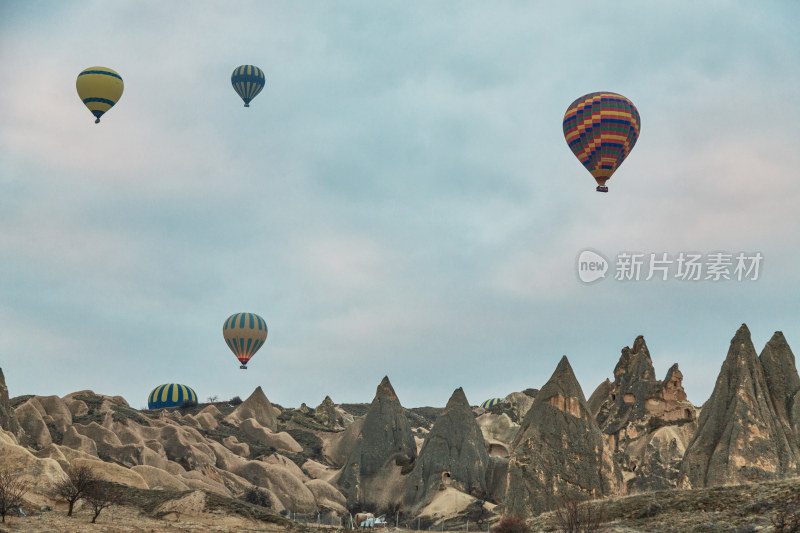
column 399, row 198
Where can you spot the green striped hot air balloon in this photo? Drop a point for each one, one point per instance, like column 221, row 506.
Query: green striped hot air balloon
column 244, row 333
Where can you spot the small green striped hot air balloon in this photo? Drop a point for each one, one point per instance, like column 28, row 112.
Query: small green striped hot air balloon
column 244, row 333
column 491, row 402
column 170, row 395
column 247, row 81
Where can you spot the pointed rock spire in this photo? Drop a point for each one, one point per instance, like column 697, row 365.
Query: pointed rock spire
column 386, row 391
column 673, row 384
column 455, row 444
column 739, row 436
column 563, row 382
column 385, row 449
column 635, row 384
column 564, row 392
column 647, row 422
column 780, row 371
column 325, row 413
column 634, row 364
column 331, row 416
column 558, row 449
column 8, row 420
column 599, row 396
column 258, row 407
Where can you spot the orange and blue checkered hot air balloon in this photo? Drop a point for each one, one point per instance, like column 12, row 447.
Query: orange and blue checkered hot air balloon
column 601, row 130
column 245, row 333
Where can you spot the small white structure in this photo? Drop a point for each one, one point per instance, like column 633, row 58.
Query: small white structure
column 372, row 522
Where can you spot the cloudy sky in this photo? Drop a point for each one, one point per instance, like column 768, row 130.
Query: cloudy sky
column 399, row 200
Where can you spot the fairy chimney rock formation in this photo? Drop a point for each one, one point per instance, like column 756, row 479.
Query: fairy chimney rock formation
column 647, row 422
column 454, row 446
column 7, row 419
column 780, row 372
column 330, row 416
column 257, row 407
column 599, row 396
column 384, row 453
column 558, row 449
column 325, row 413
column 740, row 436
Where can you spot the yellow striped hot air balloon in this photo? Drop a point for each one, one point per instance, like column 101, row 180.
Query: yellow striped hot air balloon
column 247, row 81
column 170, row 395
column 99, row 88
column 244, row 333
column 491, row 402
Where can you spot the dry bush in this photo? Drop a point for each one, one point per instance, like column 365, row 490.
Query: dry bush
column 12, row 489
column 188, row 404
column 79, row 481
column 511, row 524
column 787, row 516
column 99, row 497
column 576, row 516
column 256, row 496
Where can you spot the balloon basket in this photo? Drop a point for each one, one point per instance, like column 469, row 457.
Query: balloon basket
column 243, row 367
column 602, row 188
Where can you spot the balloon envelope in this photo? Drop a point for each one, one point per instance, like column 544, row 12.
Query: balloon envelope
column 170, row 395
column 99, row 88
column 491, row 402
column 601, row 130
column 244, row 333
column 247, row 81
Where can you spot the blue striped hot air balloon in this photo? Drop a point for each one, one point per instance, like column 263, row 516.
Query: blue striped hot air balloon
column 491, row 402
column 170, row 395
column 247, row 81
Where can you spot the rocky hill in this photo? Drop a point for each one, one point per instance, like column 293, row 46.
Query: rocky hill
column 439, row 466
column 741, row 437
column 647, row 422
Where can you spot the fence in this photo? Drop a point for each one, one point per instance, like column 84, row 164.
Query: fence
column 452, row 524
column 330, row 520
column 317, row 519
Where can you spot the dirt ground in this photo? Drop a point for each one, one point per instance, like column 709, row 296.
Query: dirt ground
column 131, row 520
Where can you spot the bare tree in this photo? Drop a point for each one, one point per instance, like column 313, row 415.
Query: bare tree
column 79, row 481
column 12, row 489
column 99, row 497
column 574, row 515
